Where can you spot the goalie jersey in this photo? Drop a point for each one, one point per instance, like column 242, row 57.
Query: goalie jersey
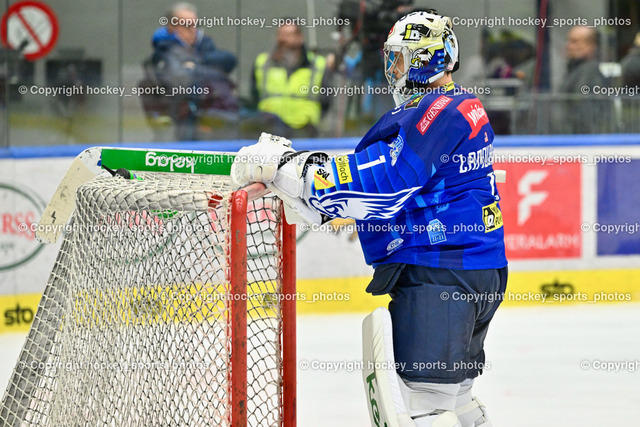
column 420, row 185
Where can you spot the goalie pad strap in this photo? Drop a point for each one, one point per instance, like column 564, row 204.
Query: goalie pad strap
column 473, row 412
column 468, row 407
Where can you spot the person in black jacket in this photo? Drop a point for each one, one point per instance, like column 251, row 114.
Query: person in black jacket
column 586, row 110
column 193, row 70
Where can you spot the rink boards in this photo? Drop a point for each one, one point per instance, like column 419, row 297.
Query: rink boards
column 569, row 208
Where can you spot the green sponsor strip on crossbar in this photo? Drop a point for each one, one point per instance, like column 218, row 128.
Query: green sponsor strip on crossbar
column 168, row 161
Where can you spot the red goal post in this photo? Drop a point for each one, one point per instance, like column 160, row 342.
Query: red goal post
column 239, row 307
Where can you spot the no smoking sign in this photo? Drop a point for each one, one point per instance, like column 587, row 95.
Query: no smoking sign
column 31, row 27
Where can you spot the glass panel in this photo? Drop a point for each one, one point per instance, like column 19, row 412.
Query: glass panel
column 70, row 95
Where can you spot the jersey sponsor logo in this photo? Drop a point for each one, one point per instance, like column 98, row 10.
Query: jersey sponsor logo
column 321, row 180
column 413, row 102
column 358, row 205
column 344, row 171
column 474, row 114
column 394, row 245
column 436, row 231
column 475, row 160
column 432, row 113
column 396, row 147
column 492, row 217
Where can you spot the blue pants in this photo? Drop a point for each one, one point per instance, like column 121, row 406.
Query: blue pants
column 440, row 318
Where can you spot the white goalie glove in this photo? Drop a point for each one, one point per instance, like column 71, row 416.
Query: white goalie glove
column 273, row 162
column 259, row 162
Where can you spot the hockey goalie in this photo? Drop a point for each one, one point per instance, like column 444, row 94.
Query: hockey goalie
column 425, row 167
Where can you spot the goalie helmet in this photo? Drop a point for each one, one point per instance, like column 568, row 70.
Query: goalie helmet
column 423, row 46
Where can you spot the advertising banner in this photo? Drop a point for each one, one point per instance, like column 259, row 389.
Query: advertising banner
column 617, row 227
column 541, row 207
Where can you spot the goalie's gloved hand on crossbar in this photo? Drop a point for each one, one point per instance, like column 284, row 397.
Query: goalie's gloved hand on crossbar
column 259, row 162
column 273, row 162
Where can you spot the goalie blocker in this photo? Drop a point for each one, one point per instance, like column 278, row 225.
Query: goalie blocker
column 274, row 163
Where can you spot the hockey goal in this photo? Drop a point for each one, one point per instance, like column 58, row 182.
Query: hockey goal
column 171, row 302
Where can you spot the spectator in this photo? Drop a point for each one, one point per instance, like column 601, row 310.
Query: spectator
column 196, row 73
column 285, row 83
column 182, row 39
column 582, row 65
column 631, row 64
column 585, row 112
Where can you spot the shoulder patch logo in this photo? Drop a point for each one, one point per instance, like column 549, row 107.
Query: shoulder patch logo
column 432, row 113
column 396, row 148
column 436, row 230
column 474, row 114
column 414, row 102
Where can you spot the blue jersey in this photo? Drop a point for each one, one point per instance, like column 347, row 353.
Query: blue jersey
column 420, row 185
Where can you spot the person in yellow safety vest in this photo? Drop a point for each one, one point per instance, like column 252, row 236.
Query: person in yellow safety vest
column 287, row 83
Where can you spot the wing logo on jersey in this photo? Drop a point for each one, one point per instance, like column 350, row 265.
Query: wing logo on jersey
column 365, row 206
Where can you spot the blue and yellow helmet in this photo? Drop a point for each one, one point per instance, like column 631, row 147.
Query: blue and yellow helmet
column 426, row 42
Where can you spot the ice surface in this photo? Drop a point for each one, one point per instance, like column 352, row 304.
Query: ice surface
column 535, row 353
column 535, row 377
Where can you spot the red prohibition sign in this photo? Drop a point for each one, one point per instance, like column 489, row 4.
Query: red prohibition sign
column 31, row 25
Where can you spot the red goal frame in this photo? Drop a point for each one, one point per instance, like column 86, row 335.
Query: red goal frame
column 238, row 286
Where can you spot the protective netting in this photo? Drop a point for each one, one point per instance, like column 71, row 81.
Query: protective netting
column 134, row 324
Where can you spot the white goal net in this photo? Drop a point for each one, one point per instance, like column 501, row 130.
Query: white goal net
column 137, row 324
